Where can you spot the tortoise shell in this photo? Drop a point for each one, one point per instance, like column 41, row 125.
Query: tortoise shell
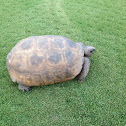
column 43, row 60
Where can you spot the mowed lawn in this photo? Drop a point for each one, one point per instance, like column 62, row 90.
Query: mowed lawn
column 101, row 99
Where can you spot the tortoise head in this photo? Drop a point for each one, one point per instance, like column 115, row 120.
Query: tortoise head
column 88, row 50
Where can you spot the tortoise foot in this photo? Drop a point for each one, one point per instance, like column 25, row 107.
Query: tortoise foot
column 81, row 81
column 23, row 88
column 14, row 80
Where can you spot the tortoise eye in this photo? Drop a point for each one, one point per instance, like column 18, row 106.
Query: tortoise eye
column 92, row 51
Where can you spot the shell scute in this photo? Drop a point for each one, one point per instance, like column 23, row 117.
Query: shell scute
column 55, row 58
column 43, row 43
column 36, row 60
column 58, row 42
column 68, row 73
column 27, row 44
column 70, row 43
column 70, row 57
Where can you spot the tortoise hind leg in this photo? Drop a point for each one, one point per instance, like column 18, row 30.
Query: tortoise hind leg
column 81, row 77
column 23, row 87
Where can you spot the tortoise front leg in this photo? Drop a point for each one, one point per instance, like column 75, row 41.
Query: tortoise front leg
column 23, row 88
column 81, row 77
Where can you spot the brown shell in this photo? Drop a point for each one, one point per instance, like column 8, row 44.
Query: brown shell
column 43, row 60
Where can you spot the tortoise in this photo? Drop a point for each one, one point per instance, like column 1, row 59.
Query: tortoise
column 48, row 59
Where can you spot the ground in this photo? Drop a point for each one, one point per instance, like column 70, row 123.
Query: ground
column 101, row 99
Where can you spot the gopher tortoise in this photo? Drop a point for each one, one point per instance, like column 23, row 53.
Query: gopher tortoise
column 48, row 59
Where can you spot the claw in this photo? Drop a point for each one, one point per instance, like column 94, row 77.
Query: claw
column 28, row 89
column 80, row 81
column 23, row 88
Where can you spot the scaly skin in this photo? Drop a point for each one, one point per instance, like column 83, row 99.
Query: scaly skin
column 81, row 77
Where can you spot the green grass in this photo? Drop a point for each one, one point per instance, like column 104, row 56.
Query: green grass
column 101, row 99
